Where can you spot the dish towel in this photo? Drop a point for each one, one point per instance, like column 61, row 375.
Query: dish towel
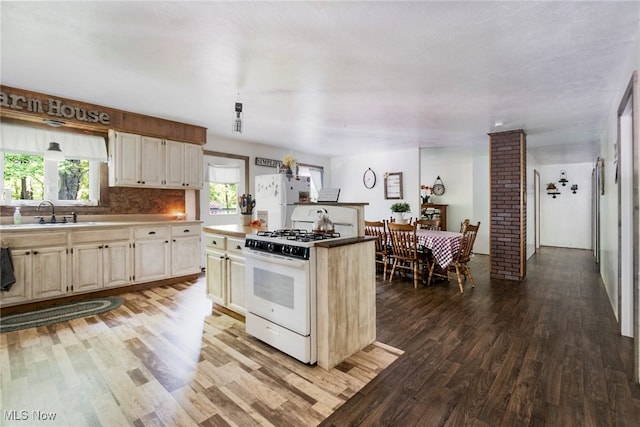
column 7, row 277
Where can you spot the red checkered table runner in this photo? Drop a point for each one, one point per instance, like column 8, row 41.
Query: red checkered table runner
column 443, row 244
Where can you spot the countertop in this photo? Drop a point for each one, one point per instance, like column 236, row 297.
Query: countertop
column 234, row 230
column 88, row 225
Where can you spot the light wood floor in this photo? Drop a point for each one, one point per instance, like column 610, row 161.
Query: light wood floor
column 162, row 359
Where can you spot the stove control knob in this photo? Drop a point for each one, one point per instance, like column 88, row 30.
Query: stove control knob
column 270, row 247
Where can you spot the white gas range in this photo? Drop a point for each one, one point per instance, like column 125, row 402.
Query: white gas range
column 280, row 277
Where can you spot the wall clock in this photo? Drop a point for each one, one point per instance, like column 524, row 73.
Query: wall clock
column 369, row 178
column 438, row 187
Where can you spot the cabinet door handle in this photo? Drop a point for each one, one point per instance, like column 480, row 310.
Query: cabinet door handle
column 106, row 246
column 174, row 240
column 239, row 247
column 100, row 247
column 186, row 230
column 213, row 242
column 152, row 232
column 35, row 252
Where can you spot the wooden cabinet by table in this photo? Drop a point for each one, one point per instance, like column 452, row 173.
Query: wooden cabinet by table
column 437, row 210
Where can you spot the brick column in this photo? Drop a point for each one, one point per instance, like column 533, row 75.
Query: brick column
column 508, row 204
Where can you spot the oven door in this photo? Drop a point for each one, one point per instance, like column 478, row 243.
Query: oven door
column 278, row 290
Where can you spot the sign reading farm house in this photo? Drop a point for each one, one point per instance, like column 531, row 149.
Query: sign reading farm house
column 52, row 107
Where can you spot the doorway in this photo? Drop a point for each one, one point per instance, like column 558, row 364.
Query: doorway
column 536, row 208
column 626, row 178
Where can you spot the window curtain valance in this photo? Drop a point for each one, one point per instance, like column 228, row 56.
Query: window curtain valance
column 223, row 174
column 27, row 140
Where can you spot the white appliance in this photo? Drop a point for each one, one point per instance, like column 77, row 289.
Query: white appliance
column 277, row 195
column 280, row 278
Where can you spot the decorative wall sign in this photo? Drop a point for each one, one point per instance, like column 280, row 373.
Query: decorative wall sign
column 393, row 185
column 52, row 107
column 261, row 161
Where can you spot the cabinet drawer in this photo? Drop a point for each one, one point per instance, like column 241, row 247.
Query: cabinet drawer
column 36, row 240
column 235, row 245
column 100, row 235
column 185, row 230
column 152, row 232
column 215, row 241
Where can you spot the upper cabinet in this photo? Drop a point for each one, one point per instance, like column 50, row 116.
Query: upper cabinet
column 181, row 165
column 141, row 161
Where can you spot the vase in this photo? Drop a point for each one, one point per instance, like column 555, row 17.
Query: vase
column 286, row 170
column 399, row 217
column 425, row 200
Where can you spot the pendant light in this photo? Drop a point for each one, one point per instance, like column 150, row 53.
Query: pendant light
column 54, row 152
column 237, row 121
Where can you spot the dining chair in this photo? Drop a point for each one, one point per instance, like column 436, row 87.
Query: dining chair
column 460, row 263
column 428, row 224
column 405, row 250
column 378, row 229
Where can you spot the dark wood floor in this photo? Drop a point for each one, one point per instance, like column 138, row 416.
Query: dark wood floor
column 542, row 352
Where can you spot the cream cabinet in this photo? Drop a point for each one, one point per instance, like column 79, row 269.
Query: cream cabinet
column 225, row 271
column 40, row 265
column 141, row 161
column 235, row 278
column 135, row 160
column 183, row 165
column 185, row 249
column 152, row 253
column 101, row 258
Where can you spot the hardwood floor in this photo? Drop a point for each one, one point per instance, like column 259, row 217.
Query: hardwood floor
column 542, row 352
column 164, row 359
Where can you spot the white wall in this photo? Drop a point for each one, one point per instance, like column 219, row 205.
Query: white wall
column 566, row 220
column 466, row 178
column 347, row 171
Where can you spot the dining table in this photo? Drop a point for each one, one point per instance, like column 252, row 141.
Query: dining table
column 442, row 244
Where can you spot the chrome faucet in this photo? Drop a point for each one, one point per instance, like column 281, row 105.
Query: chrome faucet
column 53, row 210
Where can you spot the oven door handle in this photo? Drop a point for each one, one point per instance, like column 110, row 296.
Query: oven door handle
column 276, row 259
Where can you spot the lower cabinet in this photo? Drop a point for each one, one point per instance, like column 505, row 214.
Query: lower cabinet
column 152, row 253
column 52, row 264
column 185, row 249
column 40, row 265
column 225, row 271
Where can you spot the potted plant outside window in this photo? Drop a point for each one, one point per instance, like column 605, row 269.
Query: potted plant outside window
column 399, row 209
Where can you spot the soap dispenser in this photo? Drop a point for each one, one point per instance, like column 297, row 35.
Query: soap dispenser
column 17, row 216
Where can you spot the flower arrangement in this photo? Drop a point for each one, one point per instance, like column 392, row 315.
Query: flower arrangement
column 425, row 193
column 288, row 164
column 289, row 161
column 400, row 207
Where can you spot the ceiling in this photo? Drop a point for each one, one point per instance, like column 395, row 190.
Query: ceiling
column 338, row 78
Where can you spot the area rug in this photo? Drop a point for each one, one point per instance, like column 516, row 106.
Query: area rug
column 58, row 313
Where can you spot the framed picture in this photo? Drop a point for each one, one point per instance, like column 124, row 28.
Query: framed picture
column 393, row 185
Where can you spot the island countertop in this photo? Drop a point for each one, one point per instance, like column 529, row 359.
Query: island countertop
column 234, row 230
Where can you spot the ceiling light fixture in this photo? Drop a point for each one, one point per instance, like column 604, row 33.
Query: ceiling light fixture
column 54, row 152
column 237, row 120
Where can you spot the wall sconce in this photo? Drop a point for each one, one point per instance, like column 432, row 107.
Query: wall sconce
column 574, row 188
column 552, row 189
column 54, row 152
column 563, row 178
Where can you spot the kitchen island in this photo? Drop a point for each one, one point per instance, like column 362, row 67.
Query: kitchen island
column 345, row 288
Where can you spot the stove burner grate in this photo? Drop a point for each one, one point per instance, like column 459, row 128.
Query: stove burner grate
column 298, row 235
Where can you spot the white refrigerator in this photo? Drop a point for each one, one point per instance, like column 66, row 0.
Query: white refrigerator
column 276, row 196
